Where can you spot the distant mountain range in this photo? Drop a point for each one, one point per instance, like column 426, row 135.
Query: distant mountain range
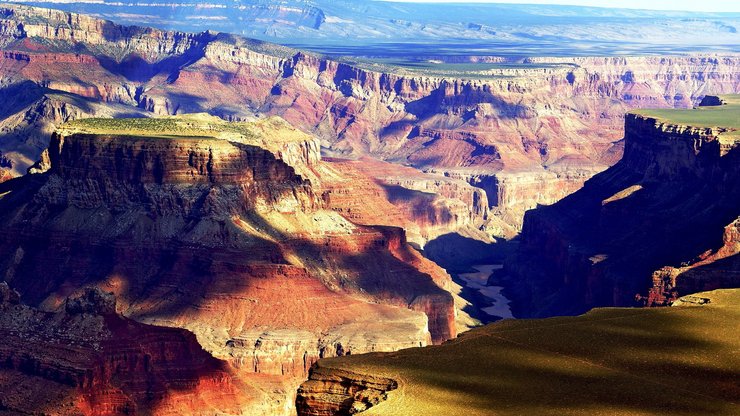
column 376, row 28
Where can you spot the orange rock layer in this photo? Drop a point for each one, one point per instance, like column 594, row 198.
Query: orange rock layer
column 87, row 359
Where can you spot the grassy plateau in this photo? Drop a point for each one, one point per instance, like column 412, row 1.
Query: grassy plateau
column 726, row 115
column 681, row 360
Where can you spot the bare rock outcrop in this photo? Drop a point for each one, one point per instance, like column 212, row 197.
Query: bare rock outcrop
column 197, row 223
column 86, row 359
column 644, row 232
column 426, row 205
column 337, row 392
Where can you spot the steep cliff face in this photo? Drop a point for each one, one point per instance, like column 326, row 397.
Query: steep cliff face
column 202, row 224
column 86, row 359
column 553, row 119
column 5, row 166
column 331, row 392
column 30, row 113
column 668, row 202
column 151, row 44
column 426, row 205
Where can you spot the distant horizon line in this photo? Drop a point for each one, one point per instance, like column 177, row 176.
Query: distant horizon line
column 689, row 5
column 668, row 6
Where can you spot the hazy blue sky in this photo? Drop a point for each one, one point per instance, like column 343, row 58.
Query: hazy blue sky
column 692, row 5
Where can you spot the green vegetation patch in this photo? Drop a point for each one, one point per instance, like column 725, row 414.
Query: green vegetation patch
column 726, row 115
column 676, row 360
column 194, row 126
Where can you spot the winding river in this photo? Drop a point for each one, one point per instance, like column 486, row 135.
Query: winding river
column 499, row 305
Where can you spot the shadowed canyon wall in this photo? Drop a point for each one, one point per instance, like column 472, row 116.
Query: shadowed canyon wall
column 224, row 238
column 660, row 224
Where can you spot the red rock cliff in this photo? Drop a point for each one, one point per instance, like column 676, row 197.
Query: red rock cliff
column 222, row 237
column 86, row 359
column 668, row 202
column 525, row 135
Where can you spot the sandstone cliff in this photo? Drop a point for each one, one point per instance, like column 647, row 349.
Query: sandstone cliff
column 426, row 205
column 86, row 359
column 668, row 202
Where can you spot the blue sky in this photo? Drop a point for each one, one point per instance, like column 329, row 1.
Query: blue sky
column 691, row 5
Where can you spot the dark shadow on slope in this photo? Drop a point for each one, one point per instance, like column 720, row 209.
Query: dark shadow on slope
column 458, row 253
column 136, row 69
column 465, row 95
column 719, row 274
column 597, row 247
column 18, row 96
column 115, row 361
column 181, row 103
column 648, row 361
column 64, row 246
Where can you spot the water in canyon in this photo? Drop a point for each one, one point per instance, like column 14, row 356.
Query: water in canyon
column 494, row 303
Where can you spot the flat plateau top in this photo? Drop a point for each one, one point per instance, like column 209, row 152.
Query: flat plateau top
column 726, row 115
column 680, row 360
column 188, row 126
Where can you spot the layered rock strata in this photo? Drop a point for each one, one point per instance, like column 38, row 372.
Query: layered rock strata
column 338, row 392
column 207, row 225
column 649, row 229
column 553, row 119
column 86, row 359
column 426, row 205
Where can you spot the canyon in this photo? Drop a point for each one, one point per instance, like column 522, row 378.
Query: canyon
column 659, row 228
column 203, row 223
column 525, row 134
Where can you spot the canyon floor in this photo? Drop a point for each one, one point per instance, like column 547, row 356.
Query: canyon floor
column 680, row 360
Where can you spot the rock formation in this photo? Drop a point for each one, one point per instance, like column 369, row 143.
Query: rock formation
column 339, row 392
column 86, row 359
column 526, row 135
column 197, row 223
column 369, row 191
column 651, row 228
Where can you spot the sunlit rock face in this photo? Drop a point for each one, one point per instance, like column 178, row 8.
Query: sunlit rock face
column 86, row 359
column 526, row 135
column 222, row 236
column 368, row 191
column 660, row 224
